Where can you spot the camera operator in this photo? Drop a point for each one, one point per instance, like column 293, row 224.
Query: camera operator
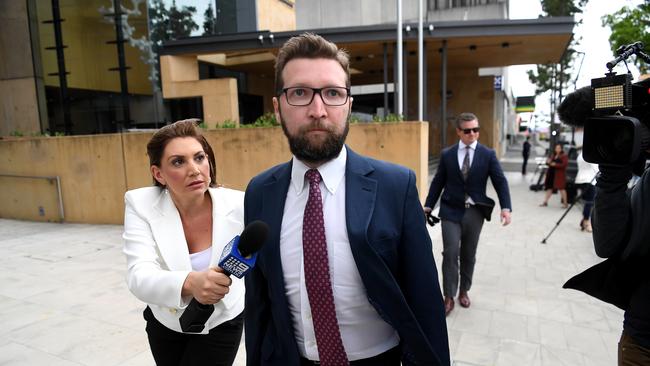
column 622, row 234
column 614, row 113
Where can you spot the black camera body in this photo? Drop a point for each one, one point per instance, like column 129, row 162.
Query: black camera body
column 618, row 132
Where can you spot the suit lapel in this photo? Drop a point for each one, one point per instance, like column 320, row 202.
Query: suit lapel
column 454, row 162
column 273, row 199
column 167, row 229
column 360, row 197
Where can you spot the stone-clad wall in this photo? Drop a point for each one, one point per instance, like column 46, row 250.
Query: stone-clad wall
column 96, row 170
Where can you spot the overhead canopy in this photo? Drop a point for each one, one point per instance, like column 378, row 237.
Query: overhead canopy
column 470, row 44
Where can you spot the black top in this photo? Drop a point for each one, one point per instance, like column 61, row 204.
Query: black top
column 619, row 232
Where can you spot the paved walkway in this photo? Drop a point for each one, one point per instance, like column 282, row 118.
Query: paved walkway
column 63, row 299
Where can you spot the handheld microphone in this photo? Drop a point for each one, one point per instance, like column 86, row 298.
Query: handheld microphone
column 576, row 107
column 238, row 258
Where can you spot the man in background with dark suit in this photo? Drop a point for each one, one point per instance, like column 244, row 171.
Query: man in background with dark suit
column 462, row 179
column 346, row 276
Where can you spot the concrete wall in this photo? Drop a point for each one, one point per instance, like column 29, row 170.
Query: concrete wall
column 276, row 15
column 91, row 169
column 96, row 170
column 180, row 79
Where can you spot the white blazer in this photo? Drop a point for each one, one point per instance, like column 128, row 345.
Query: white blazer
column 157, row 257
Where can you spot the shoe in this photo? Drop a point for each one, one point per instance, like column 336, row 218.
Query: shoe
column 585, row 225
column 582, row 225
column 463, row 299
column 449, row 305
column 543, row 204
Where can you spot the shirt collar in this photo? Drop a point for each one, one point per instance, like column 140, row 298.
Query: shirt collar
column 331, row 172
column 461, row 145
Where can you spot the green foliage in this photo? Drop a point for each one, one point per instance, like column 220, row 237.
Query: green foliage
column 629, row 25
column 209, row 21
column 228, row 124
column 180, row 21
column 168, row 24
column 16, row 133
column 354, row 119
column 202, row 125
column 558, row 8
column 391, row 117
column 265, row 120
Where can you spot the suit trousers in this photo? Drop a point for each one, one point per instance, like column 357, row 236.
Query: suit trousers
column 459, row 241
column 171, row 348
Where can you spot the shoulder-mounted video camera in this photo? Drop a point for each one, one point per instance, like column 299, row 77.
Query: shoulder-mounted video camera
column 615, row 113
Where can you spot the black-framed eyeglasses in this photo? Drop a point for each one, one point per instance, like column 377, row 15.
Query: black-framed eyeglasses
column 468, row 130
column 301, row 96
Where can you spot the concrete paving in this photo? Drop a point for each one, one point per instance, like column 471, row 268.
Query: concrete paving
column 64, row 301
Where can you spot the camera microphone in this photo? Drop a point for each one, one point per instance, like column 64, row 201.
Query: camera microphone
column 238, row 258
column 576, row 107
column 624, row 52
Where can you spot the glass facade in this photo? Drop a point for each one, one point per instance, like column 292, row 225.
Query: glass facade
column 450, row 4
column 101, row 77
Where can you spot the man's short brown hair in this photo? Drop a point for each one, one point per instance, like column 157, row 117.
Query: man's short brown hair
column 465, row 117
column 309, row 45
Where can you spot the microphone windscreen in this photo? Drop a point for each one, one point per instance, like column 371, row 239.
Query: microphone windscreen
column 253, row 237
column 576, row 107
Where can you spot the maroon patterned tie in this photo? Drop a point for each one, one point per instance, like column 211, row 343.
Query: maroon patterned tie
column 317, row 278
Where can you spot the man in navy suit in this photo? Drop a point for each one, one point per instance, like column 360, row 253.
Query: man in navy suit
column 346, row 276
column 462, row 178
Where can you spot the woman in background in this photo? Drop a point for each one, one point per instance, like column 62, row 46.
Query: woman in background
column 556, row 175
column 174, row 233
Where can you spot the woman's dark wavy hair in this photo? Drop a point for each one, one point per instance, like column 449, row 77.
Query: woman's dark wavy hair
column 184, row 128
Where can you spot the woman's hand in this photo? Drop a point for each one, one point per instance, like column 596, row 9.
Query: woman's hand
column 207, row 287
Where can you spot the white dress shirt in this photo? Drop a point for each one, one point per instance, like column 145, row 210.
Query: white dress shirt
column 461, row 156
column 363, row 332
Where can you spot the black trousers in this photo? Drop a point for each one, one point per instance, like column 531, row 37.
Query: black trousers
column 171, row 348
column 523, row 166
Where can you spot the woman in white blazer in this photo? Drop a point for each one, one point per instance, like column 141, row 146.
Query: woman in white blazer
column 174, row 234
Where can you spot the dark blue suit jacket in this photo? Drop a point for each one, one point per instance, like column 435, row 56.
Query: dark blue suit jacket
column 392, row 250
column 450, row 179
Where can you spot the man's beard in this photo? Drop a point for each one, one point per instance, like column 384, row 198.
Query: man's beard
column 309, row 152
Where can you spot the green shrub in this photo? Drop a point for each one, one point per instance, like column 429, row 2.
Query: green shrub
column 354, row 119
column 265, row 120
column 390, row 118
column 228, row 124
